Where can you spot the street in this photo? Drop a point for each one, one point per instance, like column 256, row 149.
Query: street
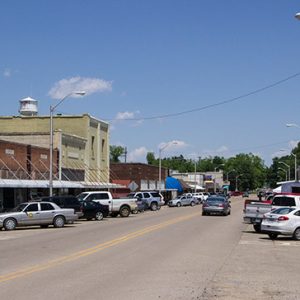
column 175, row 253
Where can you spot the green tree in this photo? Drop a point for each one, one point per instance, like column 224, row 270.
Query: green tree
column 116, row 152
column 151, row 158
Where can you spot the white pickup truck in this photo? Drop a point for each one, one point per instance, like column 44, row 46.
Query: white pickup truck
column 254, row 211
column 122, row 206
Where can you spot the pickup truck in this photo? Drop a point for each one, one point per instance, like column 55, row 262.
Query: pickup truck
column 254, row 211
column 122, row 206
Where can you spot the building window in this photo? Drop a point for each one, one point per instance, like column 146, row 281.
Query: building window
column 92, row 146
column 102, row 146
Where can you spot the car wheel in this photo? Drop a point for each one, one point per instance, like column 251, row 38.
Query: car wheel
column 225, row 213
column 153, row 206
column 124, row 211
column 59, row 222
column 10, row 224
column 296, row 234
column 273, row 236
column 257, row 227
column 114, row 214
column 192, row 203
column 99, row 216
column 203, row 213
column 178, row 204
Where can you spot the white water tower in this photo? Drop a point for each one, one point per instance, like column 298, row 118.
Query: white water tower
column 28, row 107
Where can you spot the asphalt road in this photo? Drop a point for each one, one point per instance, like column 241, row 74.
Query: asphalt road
column 175, row 253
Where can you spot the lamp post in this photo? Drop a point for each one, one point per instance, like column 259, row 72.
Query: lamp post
column 236, row 181
column 295, row 157
column 159, row 168
column 52, row 108
column 228, row 174
column 289, row 168
column 297, row 15
column 284, row 171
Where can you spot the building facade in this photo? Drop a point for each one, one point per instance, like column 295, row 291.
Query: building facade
column 82, row 143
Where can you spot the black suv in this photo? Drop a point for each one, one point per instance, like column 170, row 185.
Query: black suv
column 66, row 202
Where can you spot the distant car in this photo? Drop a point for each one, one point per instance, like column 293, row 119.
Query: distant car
column 182, row 201
column 216, row 204
column 236, row 193
column 37, row 213
column 245, row 194
column 282, row 221
column 65, row 201
column 200, row 196
column 94, row 210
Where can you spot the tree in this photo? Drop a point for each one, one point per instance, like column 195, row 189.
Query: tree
column 151, row 158
column 116, row 152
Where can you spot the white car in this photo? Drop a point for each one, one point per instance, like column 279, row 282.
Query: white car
column 282, row 221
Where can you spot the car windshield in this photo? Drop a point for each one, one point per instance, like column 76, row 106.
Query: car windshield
column 215, row 199
column 19, row 208
column 81, row 196
column 282, row 210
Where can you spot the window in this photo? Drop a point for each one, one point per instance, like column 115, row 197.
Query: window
column 92, row 146
column 139, row 195
column 46, row 206
column 284, row 201
column 146, row 195
column 32, row 207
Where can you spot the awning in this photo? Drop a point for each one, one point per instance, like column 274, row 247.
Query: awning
column 57, row 184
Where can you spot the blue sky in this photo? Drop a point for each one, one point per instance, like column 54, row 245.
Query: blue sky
column 142, row 59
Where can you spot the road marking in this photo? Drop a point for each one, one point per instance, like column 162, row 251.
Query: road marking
column 270, row 243
column 92, row 250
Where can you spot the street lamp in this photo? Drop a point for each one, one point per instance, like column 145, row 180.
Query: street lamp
column 52, row 108
column 159, row 168
column 227, row 175
column 297, row 15
column 295, row 157
column 289, row 168
column 284, row 171
column 217, row 167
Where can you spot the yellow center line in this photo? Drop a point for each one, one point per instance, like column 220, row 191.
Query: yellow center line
column 92, row 250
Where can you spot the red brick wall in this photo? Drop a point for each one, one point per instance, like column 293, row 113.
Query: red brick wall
column 136, row 172
column 16, row 157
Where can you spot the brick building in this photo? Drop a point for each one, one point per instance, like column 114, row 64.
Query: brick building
column 146, row 177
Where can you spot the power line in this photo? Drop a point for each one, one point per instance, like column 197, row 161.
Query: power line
column 211, row 105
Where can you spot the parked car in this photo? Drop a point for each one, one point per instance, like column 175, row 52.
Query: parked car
column 236, row 193
column 200, row 196
column 282, row 221
column 122, row 206
column 216, row 204
column 37, row 213
column 182, row 201
column 255, row 211
column 65, row 201
column 150, row 199
column 94, row 210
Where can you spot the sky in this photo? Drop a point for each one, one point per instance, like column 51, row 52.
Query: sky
column 196, row 77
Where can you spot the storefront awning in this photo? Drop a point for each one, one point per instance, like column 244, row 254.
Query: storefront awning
column 57, row 184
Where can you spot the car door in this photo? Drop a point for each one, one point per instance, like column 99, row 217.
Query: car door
column 184, row 200
column 32, row 215
column 47, row 213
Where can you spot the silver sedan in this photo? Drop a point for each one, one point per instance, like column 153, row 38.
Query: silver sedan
column 37, row 213
column 183, row 201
